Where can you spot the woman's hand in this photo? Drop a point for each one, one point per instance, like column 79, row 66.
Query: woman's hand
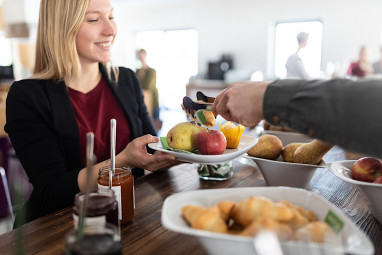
column 241, row 102
column 136, row 155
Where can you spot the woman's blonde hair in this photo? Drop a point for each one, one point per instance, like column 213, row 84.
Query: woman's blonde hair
column 56, row 51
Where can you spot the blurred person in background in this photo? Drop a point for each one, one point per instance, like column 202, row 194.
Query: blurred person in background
column 362, row 66
column 147, row 77
column 295, row 66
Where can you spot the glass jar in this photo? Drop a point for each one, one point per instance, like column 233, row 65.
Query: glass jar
column 123, row 186
column 102, row 207
column 93, row 240
column 215, row 172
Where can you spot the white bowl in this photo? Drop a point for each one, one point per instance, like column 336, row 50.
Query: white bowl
column 289, row 137
column 279, row 173
column 353, row 239
column 342, row 169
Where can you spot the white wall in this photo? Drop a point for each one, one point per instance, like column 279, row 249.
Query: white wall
column 244, row 28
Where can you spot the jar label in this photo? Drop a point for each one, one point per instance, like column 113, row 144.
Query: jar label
column 117, row 192
column 90, row 221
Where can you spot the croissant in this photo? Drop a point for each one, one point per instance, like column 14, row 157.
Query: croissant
column 298, row 220
column 191, row 213
column 306, row 213
column 283, row 231
column 249, row 209
column 204, row 219
column 317, row 231
column 281, row 212
column 226, row 209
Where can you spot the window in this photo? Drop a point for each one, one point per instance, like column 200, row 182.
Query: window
column 286, row 45
column 174, row 56
column 5, row 50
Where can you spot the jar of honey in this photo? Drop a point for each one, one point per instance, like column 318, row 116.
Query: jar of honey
column 123, row 187
column 102, row 208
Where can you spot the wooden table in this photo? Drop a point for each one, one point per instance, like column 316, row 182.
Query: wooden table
column 146, row 235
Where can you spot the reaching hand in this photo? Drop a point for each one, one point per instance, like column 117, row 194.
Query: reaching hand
column 241, row 102
column 135, row 155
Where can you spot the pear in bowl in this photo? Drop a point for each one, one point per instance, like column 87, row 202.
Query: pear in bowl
column 289, row 137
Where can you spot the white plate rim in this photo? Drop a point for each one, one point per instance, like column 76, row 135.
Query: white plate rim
column 345, row 178
column 321, row 165
column 228, row 155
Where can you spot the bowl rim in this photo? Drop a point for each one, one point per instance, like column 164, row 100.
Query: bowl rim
column 347, row 179
column 322, row 163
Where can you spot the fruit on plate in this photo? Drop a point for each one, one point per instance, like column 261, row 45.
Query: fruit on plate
column 211, row 142
column 268, row 147
column 367, row 169
column 232, row 133
column 183, row 136
column 311, row 153
column 289, row 150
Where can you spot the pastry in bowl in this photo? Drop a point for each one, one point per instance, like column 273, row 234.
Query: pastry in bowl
column 250, row 216
column 307, row 203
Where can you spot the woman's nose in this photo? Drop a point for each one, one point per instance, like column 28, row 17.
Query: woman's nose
column 110, row 28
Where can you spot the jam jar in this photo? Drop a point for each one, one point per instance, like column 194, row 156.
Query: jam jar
column 123, row 186
column 102, row 207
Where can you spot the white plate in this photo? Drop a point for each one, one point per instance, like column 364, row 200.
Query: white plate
column 280, row 173
column 354, row 240
column 342, row 169
column 246, row 143
column 289, row 137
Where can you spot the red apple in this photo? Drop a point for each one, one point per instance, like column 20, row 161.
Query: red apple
column 211, row 142
column 366, row 169
column 378, row 179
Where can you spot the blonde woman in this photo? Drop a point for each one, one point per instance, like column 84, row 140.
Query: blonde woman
column 74, row 90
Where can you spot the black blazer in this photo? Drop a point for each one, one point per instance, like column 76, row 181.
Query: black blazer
column 42, row 127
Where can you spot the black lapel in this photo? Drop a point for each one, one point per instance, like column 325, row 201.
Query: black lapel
column 64, row 121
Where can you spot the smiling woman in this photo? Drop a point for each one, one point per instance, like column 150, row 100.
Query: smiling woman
column 75, row 90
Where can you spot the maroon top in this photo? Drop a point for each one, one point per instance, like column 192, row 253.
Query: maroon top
column 93, row 111
column 355, row 70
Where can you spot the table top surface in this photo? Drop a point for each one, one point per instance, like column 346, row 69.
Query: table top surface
column 146, row 235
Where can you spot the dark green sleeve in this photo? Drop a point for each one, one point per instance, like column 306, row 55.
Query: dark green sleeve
column 338, row 111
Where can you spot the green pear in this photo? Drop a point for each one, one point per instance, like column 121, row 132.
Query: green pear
column 183, row 136
column 311, row 153
column 267, row 146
